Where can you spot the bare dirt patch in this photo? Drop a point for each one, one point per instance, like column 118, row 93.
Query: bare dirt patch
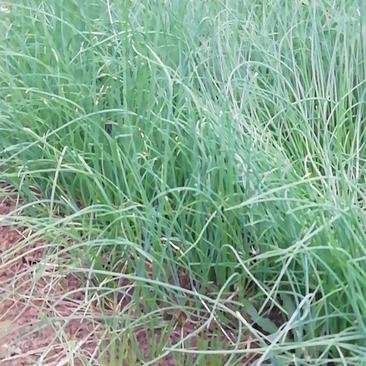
column 43, row 316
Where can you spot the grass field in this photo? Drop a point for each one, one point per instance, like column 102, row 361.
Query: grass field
column 205, row 158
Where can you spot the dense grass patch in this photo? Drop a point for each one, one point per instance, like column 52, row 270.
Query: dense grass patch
column 220, row 139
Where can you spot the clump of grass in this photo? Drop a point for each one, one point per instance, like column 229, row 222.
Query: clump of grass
column 223, row 140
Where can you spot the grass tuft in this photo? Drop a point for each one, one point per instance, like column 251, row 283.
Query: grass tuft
column 206, row 160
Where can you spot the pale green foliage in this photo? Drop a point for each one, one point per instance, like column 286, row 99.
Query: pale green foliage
column 222, row 138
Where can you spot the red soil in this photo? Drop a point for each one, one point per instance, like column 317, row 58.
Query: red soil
column 43, row 318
